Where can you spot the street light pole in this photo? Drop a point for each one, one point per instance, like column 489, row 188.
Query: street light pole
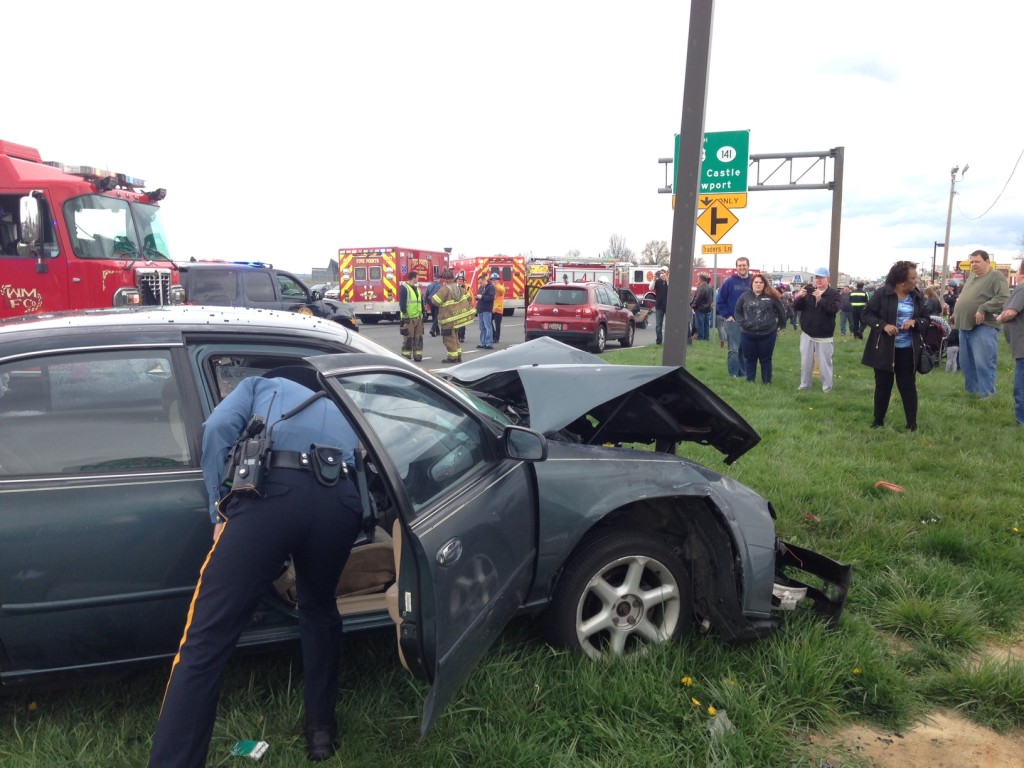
column 949, row 221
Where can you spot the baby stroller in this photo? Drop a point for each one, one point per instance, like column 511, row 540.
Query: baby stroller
column 934, row 337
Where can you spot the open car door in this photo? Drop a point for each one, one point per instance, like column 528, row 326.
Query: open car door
column 466, row 515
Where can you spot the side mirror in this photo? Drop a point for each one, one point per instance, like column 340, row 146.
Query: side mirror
column 525, row 444
column 30, row 229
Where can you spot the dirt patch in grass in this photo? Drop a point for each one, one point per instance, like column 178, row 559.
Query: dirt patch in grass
column 945, row 740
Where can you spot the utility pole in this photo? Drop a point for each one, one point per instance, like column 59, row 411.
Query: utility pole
column 691, row 132
column 949, row 221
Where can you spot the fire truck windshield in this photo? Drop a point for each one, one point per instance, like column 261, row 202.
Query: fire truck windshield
column 110, row 228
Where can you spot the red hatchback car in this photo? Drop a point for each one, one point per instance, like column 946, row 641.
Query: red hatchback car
column 580, row 313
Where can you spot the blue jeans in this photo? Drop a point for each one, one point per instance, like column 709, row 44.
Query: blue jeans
column 732, row 336
column 703, row 322
column 659, row 325
column 486, row 329
column 758, row 348
column 1018, row 391
column 979, row 349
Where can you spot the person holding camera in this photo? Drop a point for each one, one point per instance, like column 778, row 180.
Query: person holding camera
column 818, row 304
column 291, row 494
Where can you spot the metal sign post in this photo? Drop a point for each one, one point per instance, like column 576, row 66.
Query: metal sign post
column 691, row 133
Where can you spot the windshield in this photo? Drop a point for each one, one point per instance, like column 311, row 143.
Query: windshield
column 565, row 296
column 110, row 228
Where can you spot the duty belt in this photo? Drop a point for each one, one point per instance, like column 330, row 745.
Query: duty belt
column 296, row 460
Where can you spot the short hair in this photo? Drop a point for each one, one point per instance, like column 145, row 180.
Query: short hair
column 983, row 254
column 742, row 258
column 707, row 278
column 860, row 285
column 898, row 273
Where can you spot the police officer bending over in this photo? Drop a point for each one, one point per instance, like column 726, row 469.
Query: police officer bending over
column 290, row 495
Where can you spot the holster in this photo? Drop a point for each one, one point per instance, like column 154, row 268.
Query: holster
column 328, row 464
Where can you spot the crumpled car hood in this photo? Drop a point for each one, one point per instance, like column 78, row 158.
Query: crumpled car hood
column 564, row 388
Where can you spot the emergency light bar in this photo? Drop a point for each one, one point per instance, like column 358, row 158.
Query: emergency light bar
column 103, row 179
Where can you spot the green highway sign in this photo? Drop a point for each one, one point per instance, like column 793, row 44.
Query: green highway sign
column 724, row 164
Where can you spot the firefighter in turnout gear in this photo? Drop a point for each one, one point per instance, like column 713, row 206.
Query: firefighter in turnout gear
column 455, row 311
column 410, row 305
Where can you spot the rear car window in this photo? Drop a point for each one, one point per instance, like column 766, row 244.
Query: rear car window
column 211, row 287
column 561, row 296
column 91, row 412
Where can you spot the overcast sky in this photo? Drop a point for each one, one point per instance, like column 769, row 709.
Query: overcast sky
column 284, row 131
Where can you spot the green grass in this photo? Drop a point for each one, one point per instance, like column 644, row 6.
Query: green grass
column 937, row 598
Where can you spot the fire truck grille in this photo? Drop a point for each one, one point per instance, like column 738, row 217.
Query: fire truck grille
column 154, row 285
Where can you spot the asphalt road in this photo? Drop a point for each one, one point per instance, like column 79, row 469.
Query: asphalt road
column 387, row 335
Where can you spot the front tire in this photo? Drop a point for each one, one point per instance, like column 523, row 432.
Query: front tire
column 622, row 590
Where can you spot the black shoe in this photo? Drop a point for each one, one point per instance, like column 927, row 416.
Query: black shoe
column 321, row 741
column 480, row 346
column 446, row 361
column 911, row 427
column 877, row 425
column 418, row 359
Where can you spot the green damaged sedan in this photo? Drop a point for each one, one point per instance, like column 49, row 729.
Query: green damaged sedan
column 513, row 485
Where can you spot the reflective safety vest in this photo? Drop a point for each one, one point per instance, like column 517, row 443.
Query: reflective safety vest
column 858, row 299
column 413, row 302
column 455, row 306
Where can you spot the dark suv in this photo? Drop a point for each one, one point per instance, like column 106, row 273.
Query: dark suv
column 580, row 313
column 259, row 286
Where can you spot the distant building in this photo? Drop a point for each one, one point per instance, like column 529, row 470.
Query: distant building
column 328, row 274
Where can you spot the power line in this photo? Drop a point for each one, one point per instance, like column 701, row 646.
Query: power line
column 975, row 218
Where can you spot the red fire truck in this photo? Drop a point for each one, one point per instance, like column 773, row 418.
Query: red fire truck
column 370, row 277
column 616, row 274
column 511, row 271
column 77, row 237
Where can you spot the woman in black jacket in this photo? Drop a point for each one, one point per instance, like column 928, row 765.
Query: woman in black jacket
column 896, row 316
column 760, row 315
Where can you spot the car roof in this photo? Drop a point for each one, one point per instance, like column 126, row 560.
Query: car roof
column 161, row 325
column 555, row 285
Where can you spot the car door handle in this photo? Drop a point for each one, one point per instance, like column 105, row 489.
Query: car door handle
column 449, row 553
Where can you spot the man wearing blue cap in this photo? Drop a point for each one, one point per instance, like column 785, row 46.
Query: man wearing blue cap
column 818, row 304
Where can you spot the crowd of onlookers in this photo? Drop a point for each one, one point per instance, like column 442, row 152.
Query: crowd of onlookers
column 908, row 326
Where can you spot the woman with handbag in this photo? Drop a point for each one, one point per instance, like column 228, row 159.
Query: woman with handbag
column 896, row 317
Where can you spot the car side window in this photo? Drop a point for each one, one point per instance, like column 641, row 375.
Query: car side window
column 290, row 289
column 259, row 286
column 432, row 441
column 211, row 286
column 89, row 413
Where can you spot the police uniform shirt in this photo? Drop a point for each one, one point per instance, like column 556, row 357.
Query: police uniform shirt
column 321, row 423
